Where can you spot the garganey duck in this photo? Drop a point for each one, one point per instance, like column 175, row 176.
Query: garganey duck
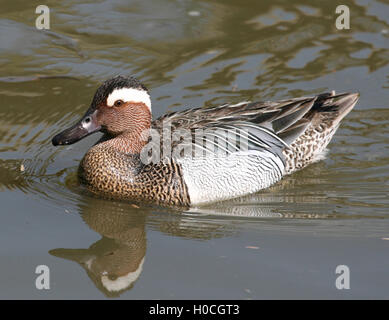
column 234, row 149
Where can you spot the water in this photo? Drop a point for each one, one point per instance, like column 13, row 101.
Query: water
column 284, row 242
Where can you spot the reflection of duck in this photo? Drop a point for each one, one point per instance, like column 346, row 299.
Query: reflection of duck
column 246, row 147
column 115, row 262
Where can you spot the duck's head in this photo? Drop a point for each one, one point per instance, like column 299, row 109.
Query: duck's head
column 120, row 104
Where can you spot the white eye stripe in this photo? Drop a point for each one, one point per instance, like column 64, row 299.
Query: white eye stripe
column 129, row 94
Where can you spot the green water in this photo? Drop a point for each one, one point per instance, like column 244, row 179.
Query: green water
column 284, row 242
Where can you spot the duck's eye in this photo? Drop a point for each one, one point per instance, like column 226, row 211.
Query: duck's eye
column 118, row 103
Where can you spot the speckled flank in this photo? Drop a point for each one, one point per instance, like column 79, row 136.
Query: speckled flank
column 117, row 175
column 308, row 147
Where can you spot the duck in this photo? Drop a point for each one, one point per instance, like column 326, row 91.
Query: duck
column 200, row 155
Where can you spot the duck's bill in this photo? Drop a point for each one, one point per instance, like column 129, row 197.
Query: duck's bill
column 86, row 126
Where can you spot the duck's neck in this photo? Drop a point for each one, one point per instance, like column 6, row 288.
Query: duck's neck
column 131, row 141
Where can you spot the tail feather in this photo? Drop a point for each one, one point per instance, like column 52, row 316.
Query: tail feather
column 344, row 105
column 336, row 107
column 308, row 141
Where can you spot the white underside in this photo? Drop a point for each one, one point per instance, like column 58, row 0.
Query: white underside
column 221, row 178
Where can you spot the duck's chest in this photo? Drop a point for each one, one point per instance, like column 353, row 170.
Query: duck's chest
column 123, row 176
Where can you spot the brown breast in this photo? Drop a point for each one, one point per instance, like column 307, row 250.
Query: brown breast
column 122, row 176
